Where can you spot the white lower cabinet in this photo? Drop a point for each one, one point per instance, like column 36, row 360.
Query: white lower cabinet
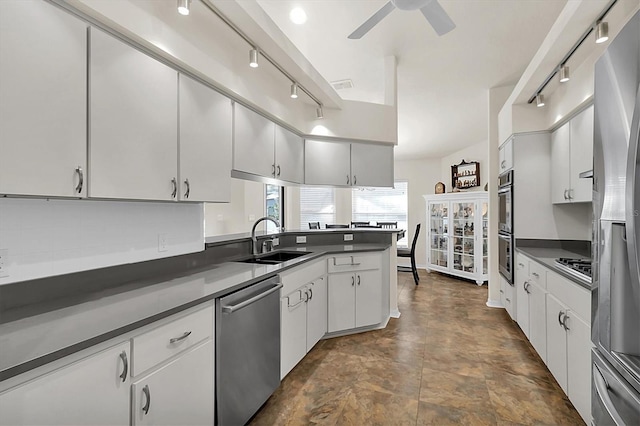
column 317, row 312
column 180, row 392
column 537, row 323
column 91, row 391
column 508, row 297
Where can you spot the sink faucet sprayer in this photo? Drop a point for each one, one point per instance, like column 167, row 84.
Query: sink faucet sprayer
column 253, row 231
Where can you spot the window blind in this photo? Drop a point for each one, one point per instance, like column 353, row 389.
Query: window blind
column 382, row 205
column 317, row 204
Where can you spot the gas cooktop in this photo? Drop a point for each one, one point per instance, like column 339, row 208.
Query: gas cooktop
column 580, row 268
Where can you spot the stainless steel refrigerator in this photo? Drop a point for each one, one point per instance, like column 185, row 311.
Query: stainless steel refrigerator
column 616, row 232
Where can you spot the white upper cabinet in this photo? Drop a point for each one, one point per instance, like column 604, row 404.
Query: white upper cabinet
column 43, row 69
column 289, row 156
column 205, row 143
column 253, row 142
column 133, row 123
column 505, row 156
column 371, row 165
column 572, row 154
column 327, row 163
column 348, row 164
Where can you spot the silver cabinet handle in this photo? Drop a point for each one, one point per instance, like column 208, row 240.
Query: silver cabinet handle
column 273, row 170
column 229, row 309
column 347, row 179
column 564, row 322
column 535, row 274
column 570, row 193
column 346, row 264
column 503, row 163
column 602, row 390
column 310, row 293
column 177, row 339
column 289, row 305
column 560, row 314
column 507, row 299
column 175, row 188
column 188, row 191
column 147, row 394
column 353, row 281
column 354, row 180
column 521, row 265
column 566, row 197
column 80, row 179
column 125, row 370
column 502, row 291
column 526, row 287
column 278, row 174
column 358, row 279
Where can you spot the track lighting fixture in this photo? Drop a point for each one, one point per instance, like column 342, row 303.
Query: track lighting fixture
column 253, row 58
column 564, row 73
column 183, row 7
column 539, row 100
column 319, row 112
column 294, row 90
column 602, row 32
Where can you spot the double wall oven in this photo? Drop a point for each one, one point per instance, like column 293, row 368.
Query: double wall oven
column 505, row 225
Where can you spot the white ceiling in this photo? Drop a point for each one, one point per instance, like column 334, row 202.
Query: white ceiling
column 443, row 82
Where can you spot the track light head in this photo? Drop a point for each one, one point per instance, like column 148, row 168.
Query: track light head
column 564, row 73
column 602, row 32
column 319, row 112
column 294, row 90
column 183, row 7
column 539, row 100
column 253, row 58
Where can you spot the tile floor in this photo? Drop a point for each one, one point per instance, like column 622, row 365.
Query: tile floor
column 449, row 359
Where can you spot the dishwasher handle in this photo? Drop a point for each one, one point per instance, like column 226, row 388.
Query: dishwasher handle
column 229, row 309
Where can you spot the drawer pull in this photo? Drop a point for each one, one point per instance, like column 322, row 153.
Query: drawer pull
column 80, row 179
column 521, row 265
column 535, row 274
column 147, row 394
column 177, row 339
column 346, row 264
column 564, row 322
column 560, row 314
column 310, row 293
column 125, row 370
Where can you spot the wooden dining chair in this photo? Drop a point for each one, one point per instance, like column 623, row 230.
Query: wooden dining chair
column 329, row 226
column 388, row 225
column 314, row 225
column 411, row 253
column 360, row 224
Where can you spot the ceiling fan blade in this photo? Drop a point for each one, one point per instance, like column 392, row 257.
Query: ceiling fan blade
column 437, row 17
column 371, row 22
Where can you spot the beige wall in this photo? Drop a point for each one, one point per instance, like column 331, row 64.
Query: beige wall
column 247, row 204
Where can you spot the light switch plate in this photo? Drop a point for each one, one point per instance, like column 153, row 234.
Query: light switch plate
column 348, row 248
column 348, row 237
column 4, row 263
column 276, row 242
column 301, row 239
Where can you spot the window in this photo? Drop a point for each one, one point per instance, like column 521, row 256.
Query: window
column 274, row 199
column 382, row 205
column 317, row 205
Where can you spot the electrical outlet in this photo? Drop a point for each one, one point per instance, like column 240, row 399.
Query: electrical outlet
column 301, row 249
column 4, row 263
column 348, row 248
column 348, row 237
column 162, row 242
column 301, row 239
column 276, row 241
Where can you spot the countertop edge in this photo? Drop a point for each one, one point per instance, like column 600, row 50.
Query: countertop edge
column 550, row 264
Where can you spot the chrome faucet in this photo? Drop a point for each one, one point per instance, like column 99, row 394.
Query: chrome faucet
column 254, row 240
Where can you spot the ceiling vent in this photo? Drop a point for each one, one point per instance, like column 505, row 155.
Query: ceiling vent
column 342, row 84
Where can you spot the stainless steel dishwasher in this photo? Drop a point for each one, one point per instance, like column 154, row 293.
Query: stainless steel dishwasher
column 247, row 350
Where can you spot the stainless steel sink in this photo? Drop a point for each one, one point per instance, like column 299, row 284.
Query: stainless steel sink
column 275, row 258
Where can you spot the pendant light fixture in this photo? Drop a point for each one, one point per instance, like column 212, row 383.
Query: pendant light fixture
column 294, row 90
column 253, row 58
column 602, row 32
column 183, row 7
column 539, row 100
column 564, row 73
column 319, row 112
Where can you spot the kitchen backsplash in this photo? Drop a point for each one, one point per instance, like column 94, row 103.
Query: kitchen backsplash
column 40, row 238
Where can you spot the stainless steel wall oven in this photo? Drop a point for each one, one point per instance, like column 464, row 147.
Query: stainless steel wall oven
column 505, row 225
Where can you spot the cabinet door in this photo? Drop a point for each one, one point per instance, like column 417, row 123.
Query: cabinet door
column 538, row 319
column 368, row 298
column 327, row 163
column 372, row 165
column 561, row 164
column 87, row 392
column 205, row 143
column 180, row 393
column 438, row 234
column 253, row 142
column 556, row 341
column 289, row 156
column 505, row 156
column 43, row 96
column 133, row 123
column 341, row 301
column 581, row 155
column 463, row 216
column 316, row 312
column 293, row 330
column 522, row 297
column 579, row 364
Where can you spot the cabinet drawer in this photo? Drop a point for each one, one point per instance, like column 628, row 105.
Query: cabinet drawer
column 301, row 275
column 522, row 265
column 353, row 262
column 538, row 273
column 575, row 297
column 160, row 344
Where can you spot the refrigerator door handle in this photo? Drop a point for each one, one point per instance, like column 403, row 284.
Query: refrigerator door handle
column 632, row 202
column 602, row 391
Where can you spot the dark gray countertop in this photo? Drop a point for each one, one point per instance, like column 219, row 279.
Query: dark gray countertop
column 34, row 340
column 546, row 256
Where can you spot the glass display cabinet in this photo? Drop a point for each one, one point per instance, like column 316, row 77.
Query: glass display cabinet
column 457, row 234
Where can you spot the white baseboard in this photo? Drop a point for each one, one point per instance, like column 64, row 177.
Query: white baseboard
column 395, row 313
column 494, row 304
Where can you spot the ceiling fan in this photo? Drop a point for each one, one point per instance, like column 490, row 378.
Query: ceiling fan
column 431, row 9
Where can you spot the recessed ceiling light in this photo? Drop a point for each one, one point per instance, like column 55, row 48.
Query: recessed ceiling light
column 183, row 7
column 298, row 16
